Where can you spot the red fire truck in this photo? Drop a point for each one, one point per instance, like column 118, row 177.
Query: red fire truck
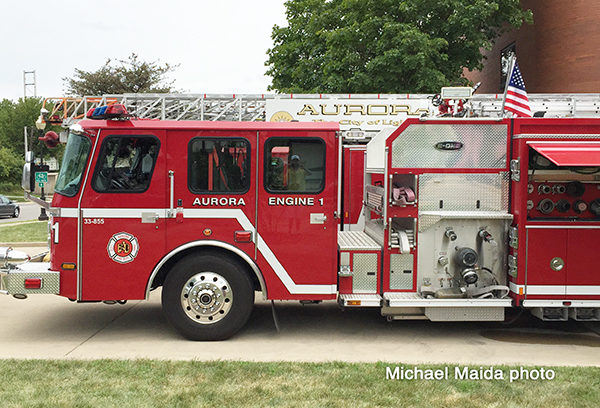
column 441, row 218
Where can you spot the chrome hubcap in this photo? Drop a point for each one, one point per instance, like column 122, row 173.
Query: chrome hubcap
column 206, row 297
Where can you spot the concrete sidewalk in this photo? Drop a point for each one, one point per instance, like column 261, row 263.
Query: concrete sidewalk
column 51, row 327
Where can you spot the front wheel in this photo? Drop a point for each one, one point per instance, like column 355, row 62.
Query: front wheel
column 207, row 297
column 16, row 212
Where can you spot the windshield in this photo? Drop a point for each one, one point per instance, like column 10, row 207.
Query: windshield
column 71, row 170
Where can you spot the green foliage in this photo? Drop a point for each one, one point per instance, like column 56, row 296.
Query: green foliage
column 384, row 46
column 124, row 76
column 11, row 165
column 14, row 117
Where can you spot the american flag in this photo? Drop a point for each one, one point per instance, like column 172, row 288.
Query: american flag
column 516, row 100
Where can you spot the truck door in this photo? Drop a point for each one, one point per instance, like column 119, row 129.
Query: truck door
column 123, row 214
column 297, row 199
column 213, row 187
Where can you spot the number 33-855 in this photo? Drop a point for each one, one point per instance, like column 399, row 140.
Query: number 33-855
column 94, row 221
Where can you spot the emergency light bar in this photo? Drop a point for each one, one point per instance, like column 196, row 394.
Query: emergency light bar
column 115, row 111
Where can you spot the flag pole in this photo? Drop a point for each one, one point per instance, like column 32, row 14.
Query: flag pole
column 513, row 60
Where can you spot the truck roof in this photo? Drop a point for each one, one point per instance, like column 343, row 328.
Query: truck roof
column 207, row 125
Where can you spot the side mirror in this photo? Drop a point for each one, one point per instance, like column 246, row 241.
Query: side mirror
column 26, row 183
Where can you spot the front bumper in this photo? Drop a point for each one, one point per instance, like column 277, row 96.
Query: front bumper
column 29, row 278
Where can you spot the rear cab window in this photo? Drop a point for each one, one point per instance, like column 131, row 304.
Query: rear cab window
column 219, row 165
column 294, row 165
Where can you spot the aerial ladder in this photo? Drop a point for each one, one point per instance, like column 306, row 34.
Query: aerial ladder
column 252, row 107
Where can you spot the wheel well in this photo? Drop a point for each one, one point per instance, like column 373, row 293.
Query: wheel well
column 159, row 278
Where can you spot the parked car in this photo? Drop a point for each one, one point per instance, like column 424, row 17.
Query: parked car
column 8, row 208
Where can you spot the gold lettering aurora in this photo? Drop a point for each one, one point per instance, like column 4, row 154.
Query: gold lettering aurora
column 361, row 109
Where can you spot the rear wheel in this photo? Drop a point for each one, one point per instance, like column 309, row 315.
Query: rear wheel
column 16, row 212
column 207, row 297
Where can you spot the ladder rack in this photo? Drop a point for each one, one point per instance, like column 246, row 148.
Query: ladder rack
column 252, row 107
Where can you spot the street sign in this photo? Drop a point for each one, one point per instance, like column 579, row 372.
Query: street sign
column 41, row 177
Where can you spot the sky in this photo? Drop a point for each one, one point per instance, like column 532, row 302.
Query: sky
column 220, row 45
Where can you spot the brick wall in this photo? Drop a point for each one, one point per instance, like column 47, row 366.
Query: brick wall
column 559, row 53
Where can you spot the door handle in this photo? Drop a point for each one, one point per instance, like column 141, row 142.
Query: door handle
column 171, row 212
column 149, row 217
column 318, row 218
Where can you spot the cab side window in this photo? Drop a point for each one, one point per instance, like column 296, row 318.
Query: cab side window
column 294, row 165
column 125, row 164
column 218, row 165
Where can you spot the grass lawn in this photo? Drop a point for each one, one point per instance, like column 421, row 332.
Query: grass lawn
column 17, row 198
column 142, row 383
column 27, row 232
column 12, row 191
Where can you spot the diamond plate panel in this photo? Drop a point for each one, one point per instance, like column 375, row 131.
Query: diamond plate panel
column 399, row 263
column 14, row 282
column 483, row 146
column 364, row 273
column 463, row 192
column 464, row 314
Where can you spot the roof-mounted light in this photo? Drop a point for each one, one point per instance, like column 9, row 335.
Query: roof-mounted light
column 115, row 111
column 457, row 92
column 354, row 134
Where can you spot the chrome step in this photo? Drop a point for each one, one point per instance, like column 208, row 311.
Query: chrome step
column 359, row 300
column 412, row 299
column 356, row 241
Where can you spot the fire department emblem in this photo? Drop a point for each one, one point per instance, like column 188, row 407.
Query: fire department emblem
column 281, row 116
column 123, row 247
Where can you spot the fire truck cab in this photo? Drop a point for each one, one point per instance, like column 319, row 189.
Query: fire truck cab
column 443, row 219
column 211, row 211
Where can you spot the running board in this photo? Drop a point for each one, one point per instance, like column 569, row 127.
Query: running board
column 411, row 299
column 359, row 300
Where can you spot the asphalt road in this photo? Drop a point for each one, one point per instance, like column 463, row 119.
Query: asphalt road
column 29, row 211
column 52, row 327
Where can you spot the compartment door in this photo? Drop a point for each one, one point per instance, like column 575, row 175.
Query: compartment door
column 583, row 273
column 547, row 263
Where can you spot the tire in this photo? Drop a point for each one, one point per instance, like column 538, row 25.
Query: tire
column 16, row 213
column 207, row 297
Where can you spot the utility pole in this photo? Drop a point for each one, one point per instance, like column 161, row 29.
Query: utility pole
column 29, row 84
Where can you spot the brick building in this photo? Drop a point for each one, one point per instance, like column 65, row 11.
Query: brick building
column 558, row 53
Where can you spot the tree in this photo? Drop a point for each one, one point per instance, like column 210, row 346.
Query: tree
column 14, row 116
column 11, row 166
column 124, row 76
column 384, row 46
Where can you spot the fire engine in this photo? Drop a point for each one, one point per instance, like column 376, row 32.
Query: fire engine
column 446, row 219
